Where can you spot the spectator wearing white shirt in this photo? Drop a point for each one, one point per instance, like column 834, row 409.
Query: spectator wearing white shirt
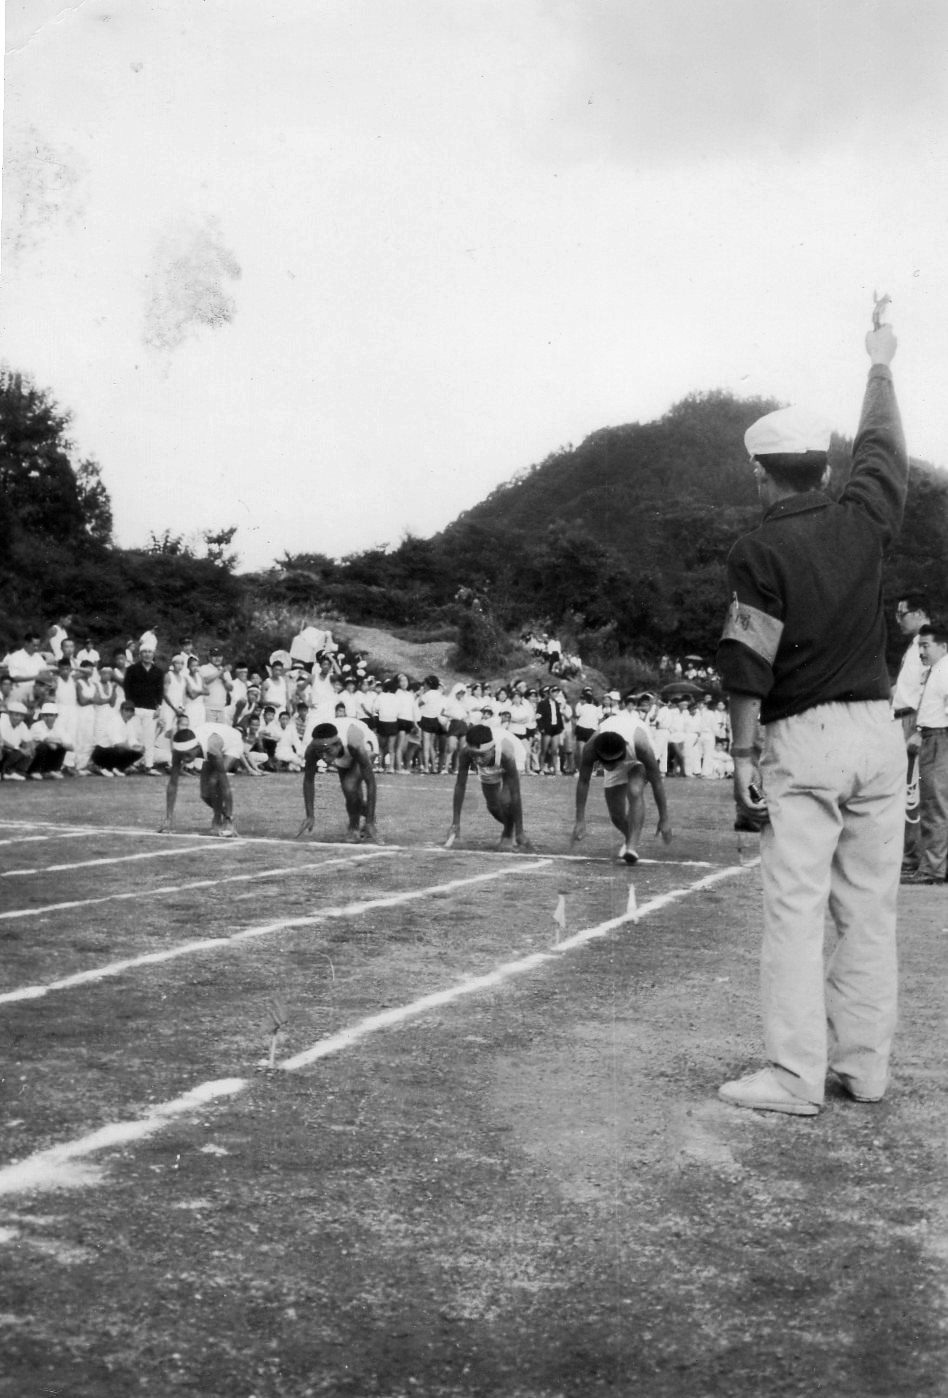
column 217, row 685
column 16, row 746
column 24, row 666
column 430, row 710
column 50, row 745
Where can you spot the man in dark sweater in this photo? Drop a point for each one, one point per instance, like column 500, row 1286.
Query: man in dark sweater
column 803, row 654
column 145, row 688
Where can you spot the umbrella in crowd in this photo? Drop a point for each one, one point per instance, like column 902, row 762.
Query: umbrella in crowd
column 681, row 688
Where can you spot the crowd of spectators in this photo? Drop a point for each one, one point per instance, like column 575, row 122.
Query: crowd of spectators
column 67, row 711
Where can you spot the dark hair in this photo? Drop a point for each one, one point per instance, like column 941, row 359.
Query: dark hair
column 479, row 735
column 938, row 630
column 324, row 733
column 797, row 471
column 915, row 602
column 609, row 746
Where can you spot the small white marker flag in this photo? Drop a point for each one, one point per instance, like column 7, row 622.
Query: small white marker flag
column 559, row 916
column 632, row 909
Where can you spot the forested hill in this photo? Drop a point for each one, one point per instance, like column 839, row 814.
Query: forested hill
column 619, row 544
column 624, row 483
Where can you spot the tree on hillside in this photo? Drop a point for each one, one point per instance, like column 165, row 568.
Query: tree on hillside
column 42, row 496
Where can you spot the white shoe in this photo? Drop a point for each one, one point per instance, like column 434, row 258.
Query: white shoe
column 35, row 776
column 55, row 776
column 763, row 1091
column 14, row 777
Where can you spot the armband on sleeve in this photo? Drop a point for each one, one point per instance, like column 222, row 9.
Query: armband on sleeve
column 758, row 631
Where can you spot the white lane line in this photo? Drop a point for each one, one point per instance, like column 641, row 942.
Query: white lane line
column 195, row 883
column 50, row 1169
column 117, row 968
column 346, row 1037
column 209, row 844
column 33, row 839
column 473, row 850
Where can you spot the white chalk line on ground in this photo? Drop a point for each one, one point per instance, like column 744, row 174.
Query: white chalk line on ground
column 37, row 839
column 206, row 843
column 152, row 958
column 116, row 859
column 50, row 1169
column 164, row 889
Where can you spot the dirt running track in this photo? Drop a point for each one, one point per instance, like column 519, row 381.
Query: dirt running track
column 489, row 1160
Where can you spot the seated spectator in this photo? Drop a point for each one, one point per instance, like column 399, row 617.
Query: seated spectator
column 255, row 749
column 121, row 741
column 16, row 746
column 50, row 745
column 288, row 754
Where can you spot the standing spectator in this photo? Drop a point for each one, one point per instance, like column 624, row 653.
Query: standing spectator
column 407, row 722
column 274, row 689
column 457, row 718
column 803, row 653
column 55, row 636
column 24, row 666
column 707, row 730
column 88, row 698
column 911, row 613
column 66, row 699
column 430, row 711
column 195, row 693
column 176, row 696
column 218, row 684
column 930, row 742
column 145, row 690
column 550, row 725
column 587, row 718
column 88, row 652
column 387, row 718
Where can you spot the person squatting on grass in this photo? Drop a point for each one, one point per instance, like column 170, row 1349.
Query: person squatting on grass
column 222, row 750
column 803, row 653
column 627, row 762
column 350, row 747
column 492, row 755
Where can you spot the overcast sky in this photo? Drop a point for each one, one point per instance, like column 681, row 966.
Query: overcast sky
column 330, row 270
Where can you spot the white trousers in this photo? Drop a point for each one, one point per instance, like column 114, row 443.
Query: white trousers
column 834, row 780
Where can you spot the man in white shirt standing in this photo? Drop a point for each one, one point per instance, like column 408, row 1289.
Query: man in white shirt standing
column 24, row 666
column 912, row 614
column 930, row 741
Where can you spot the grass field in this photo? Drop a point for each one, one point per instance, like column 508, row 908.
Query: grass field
column 482, row 1154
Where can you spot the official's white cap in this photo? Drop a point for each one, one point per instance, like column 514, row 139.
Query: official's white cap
column 788, row 431
column 49, row 709
column 15, row 707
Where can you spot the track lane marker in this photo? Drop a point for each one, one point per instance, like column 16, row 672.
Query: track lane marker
column 53, row 1168
column 195, row 883
column 152, row 958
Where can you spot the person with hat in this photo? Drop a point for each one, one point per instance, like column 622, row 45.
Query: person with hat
column 50, row 744
column 803, row 654
column 222, row 750
column 16, row 745
column 623, row 747
column 350, row 746
column 218, row 684
column 492, row 755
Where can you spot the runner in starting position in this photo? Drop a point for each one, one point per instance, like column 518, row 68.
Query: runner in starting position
column 222, row 750
column 493, row 756
column 349, row 746
column 628, row 761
